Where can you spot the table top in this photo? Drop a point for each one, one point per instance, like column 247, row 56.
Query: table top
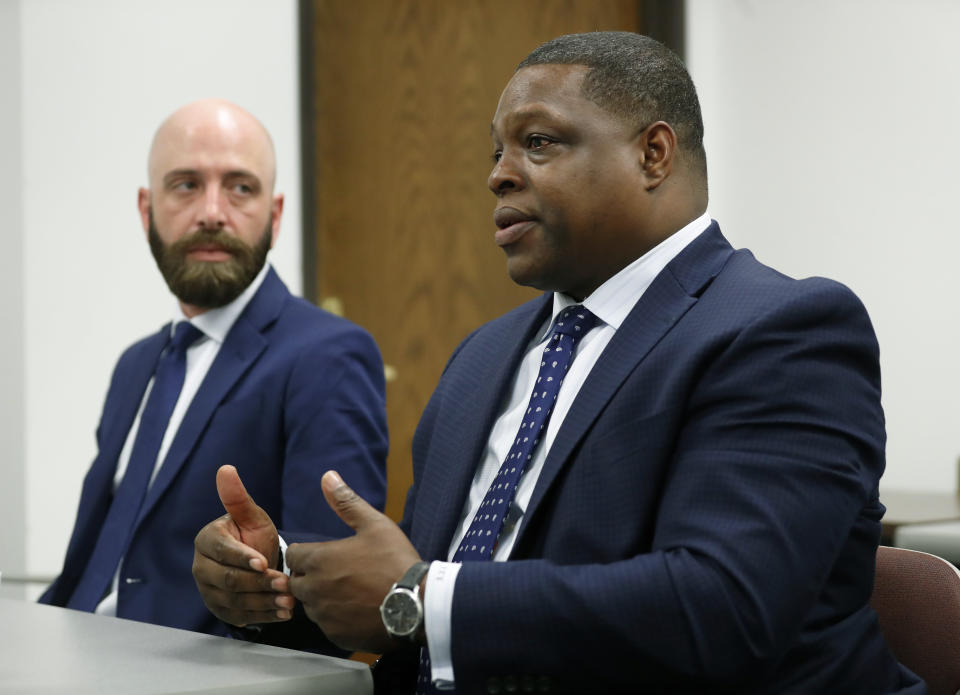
column 45, row 649
column 910, row 507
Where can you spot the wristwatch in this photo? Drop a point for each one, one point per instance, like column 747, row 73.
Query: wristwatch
column 402, row 609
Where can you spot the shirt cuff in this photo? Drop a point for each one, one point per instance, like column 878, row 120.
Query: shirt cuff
column 438, row 610
column 283, row 555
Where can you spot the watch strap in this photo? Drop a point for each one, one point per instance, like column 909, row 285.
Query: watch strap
column 411, row 578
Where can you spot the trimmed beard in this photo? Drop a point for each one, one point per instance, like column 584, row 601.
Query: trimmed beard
column 209, row 284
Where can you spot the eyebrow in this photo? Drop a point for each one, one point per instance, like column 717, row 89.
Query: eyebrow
column 527, row 113
column 232, row 174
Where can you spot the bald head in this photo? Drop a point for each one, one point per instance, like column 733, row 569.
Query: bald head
column 212, row 132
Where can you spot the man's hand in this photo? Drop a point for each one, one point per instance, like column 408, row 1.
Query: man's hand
column 342, row 583
column 235, row 557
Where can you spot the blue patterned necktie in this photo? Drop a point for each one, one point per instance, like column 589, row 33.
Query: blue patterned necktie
column 482, row 536
column 118, row 526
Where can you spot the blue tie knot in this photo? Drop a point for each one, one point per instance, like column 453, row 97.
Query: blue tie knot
column 185, row 335
column 575, row 320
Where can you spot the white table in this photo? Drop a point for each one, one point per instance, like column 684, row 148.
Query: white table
column 46, row 650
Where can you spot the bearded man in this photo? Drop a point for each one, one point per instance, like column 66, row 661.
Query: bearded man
column 245, row 374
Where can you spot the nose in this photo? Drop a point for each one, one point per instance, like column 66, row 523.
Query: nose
column 213, row 215
column 505, row 176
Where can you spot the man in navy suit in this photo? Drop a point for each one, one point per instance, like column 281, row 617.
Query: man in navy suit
column 271, row 384
column 700, row 511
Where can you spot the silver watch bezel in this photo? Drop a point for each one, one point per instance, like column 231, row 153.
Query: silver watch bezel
column 407, row 587
column 411, row 595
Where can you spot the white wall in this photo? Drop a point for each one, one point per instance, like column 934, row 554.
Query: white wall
column 12, row 506
column 96, row 78
column 833, row 146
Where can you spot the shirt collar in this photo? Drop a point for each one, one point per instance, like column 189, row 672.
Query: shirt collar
column 613, row 300
column 216, row 323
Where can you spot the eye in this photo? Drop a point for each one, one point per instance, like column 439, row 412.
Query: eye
column 185, row 185
column 497, row 156
column 242, row 185
column 538, row 142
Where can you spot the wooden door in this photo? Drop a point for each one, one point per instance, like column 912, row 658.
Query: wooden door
column 399, row 98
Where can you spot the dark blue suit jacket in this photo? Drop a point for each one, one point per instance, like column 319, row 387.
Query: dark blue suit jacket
column 293, row 392
column 707, row 517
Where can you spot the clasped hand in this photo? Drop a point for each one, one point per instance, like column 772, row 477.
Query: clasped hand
column 340, row 583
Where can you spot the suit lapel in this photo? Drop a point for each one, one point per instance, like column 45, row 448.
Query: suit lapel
column 673, row 292
column 466, row 430
column 118, row 422
column 241, row 348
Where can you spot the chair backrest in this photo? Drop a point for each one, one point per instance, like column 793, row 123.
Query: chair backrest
column 917, row 598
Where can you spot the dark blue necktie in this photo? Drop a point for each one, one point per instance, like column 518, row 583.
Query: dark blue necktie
column 481, row 538
column 118, row 527
column 484, row 532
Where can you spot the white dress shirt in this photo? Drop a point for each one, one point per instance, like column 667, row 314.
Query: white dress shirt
column 215, row 324
column 611, row 302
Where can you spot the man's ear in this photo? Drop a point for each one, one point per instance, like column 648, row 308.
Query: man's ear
column 143, row 205
column 276, row 209
column 658, row 150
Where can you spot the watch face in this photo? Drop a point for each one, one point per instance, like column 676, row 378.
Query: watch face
column 401, row 612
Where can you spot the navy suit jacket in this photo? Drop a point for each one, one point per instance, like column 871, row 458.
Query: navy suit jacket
column 707, row 517
column 294, row 391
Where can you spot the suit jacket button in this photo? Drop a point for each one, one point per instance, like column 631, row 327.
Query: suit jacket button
column 510, row 684
column 133, row 580
column 494, row 686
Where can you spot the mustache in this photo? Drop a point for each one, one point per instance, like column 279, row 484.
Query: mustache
column 205, row 237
